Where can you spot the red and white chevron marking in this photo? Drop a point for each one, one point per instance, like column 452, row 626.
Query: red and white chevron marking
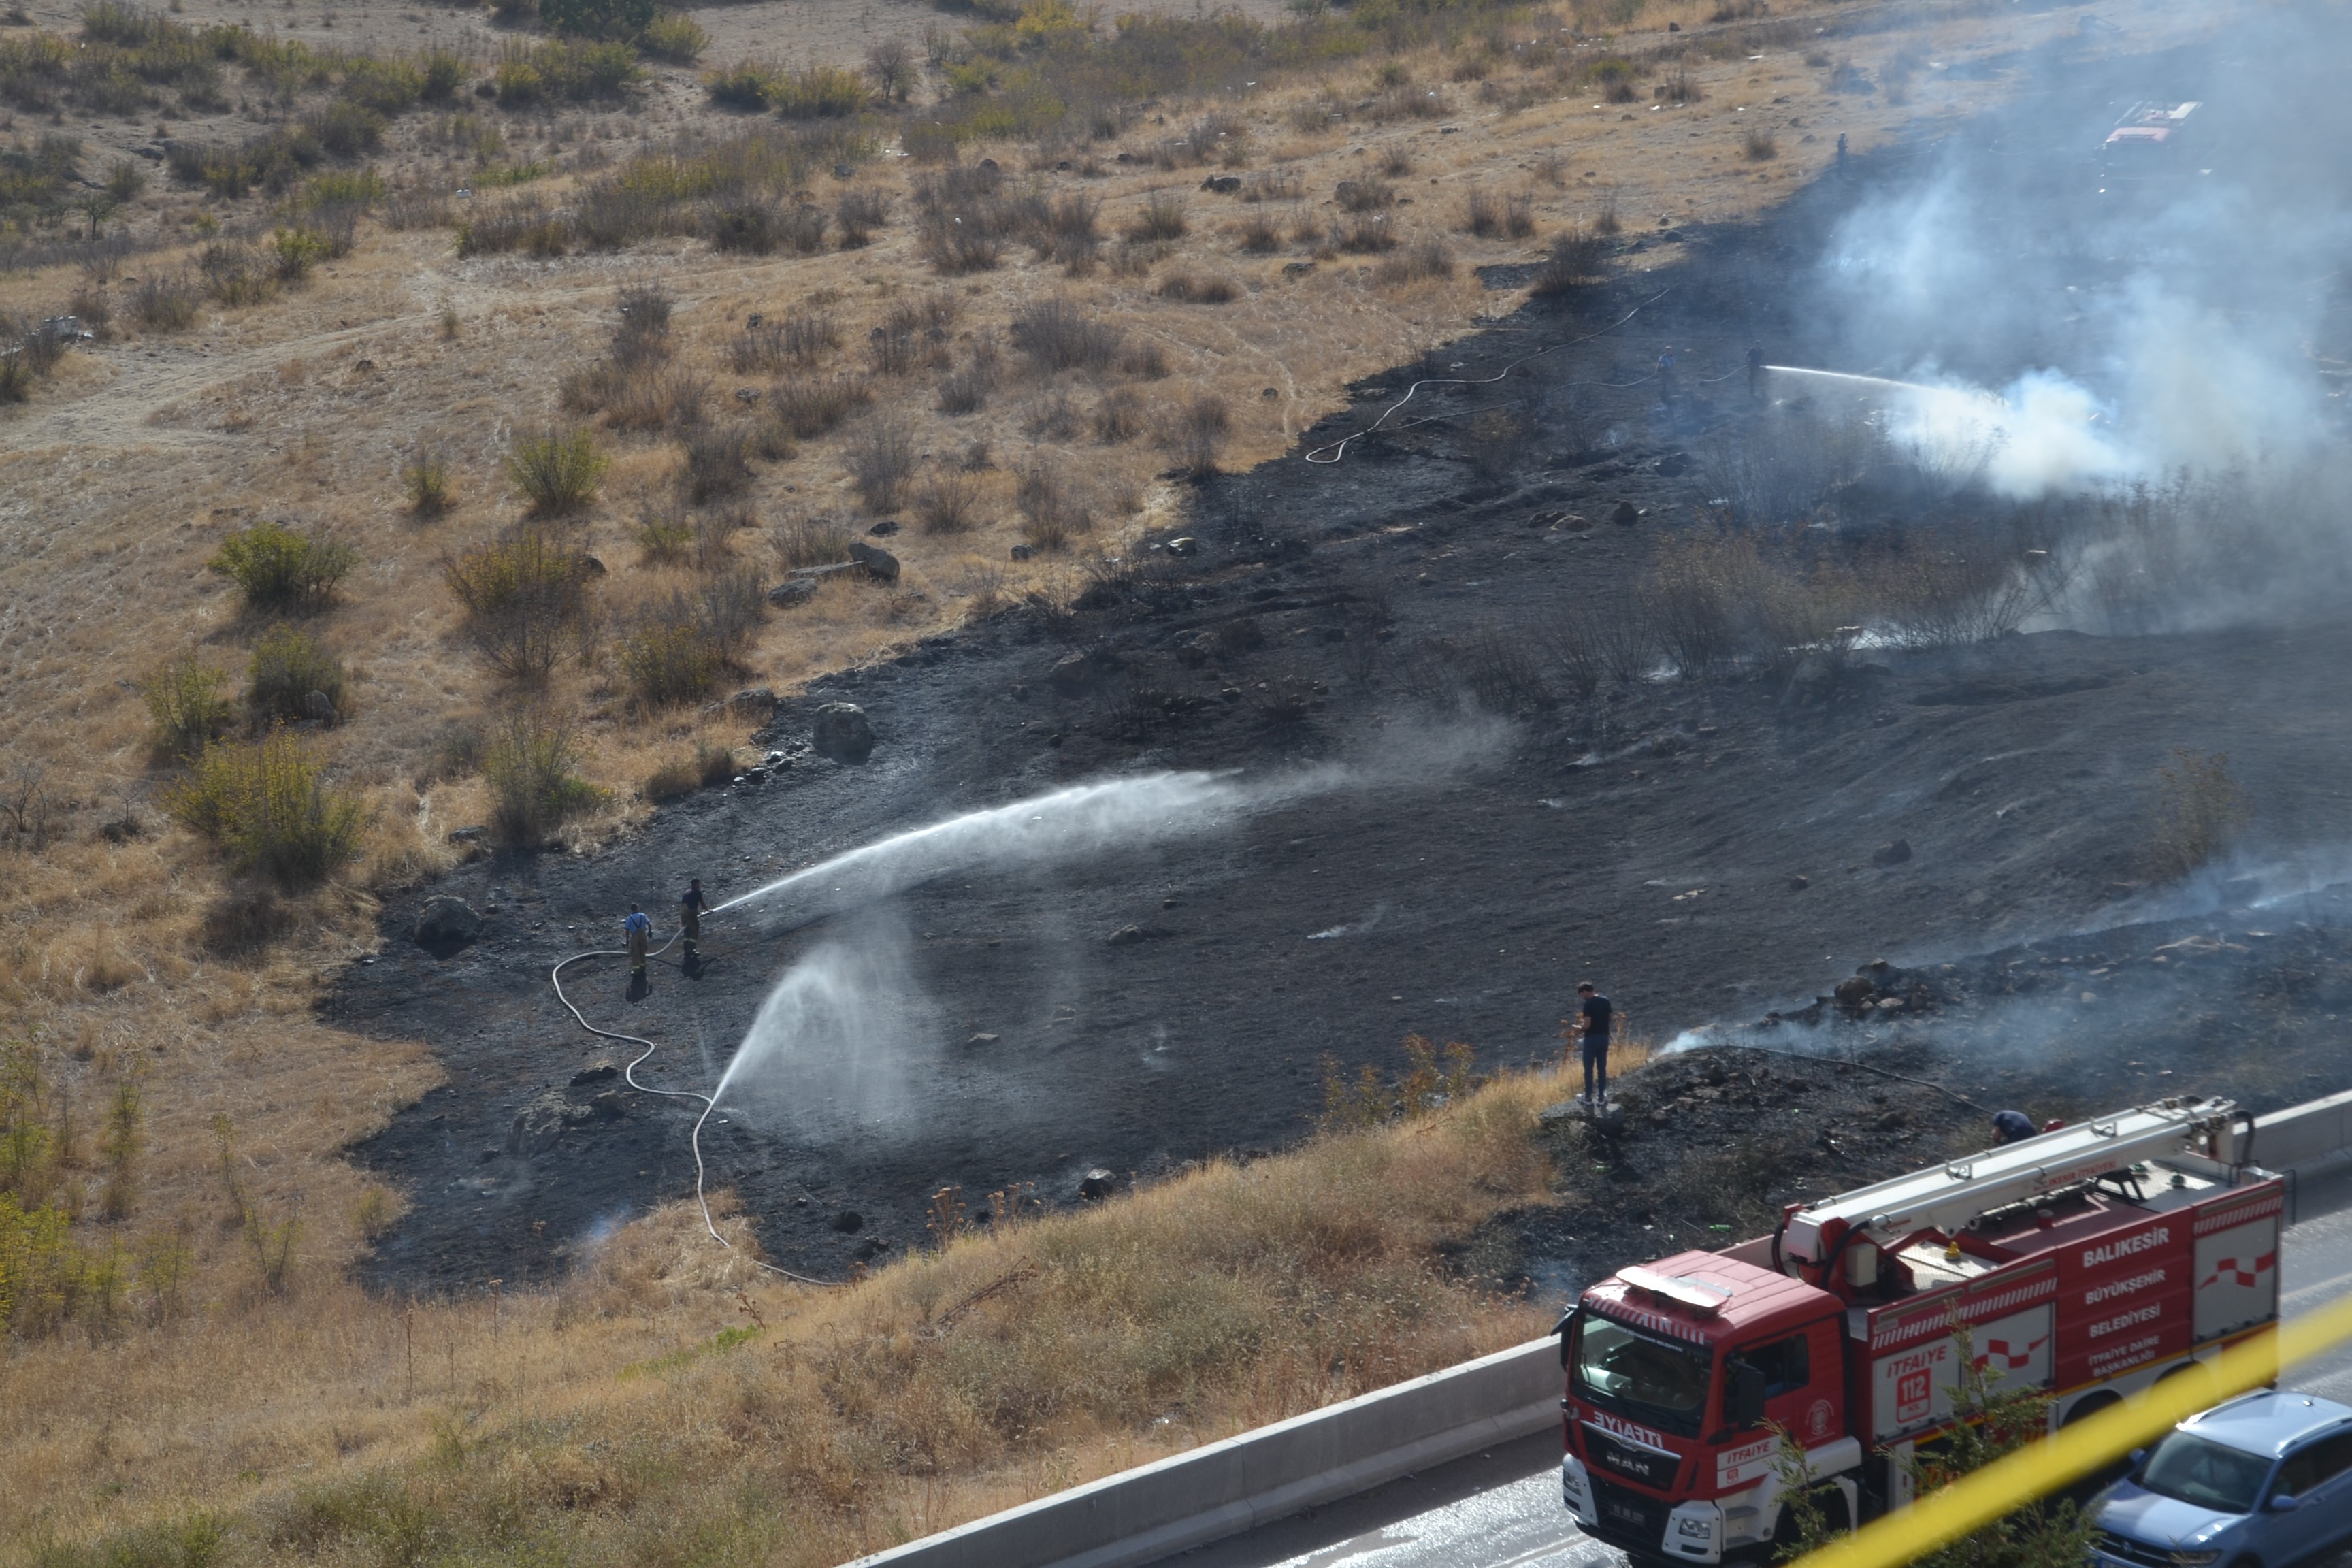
column 2246, row 1279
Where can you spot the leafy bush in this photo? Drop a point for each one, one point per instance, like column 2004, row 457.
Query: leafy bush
column 532, row 768
column 280, row 568
column 268, row 807
column 288, row 667
column 525, row 597
column 668, row 659
column 818, row 92
column 673, row 35
column 187, row 699
column 744, row 85
column 558, row 473
column 426, row 477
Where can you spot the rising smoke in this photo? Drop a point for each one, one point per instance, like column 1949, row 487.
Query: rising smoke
column 2182, row 339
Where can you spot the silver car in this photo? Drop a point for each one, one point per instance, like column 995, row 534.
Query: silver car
column 2264, row 1481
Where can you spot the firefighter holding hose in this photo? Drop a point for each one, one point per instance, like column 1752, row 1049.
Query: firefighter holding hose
column 639, row 929
column 690, row 905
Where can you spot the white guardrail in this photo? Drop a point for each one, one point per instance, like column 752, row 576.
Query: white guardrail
column 1219, row 1489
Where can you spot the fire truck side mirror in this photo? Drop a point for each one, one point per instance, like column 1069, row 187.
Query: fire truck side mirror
column 1743, row 1396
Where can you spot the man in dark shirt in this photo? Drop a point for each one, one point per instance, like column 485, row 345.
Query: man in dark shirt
column 2013, row 1127
column 689, row 915
column 1596, row 1013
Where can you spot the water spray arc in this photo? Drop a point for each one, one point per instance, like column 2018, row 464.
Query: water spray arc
column 1081, row 820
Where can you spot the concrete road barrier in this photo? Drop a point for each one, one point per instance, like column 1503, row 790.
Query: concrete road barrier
column 1223, row 1488
column 2306, row 1141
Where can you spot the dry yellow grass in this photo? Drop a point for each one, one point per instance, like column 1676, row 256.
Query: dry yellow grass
column 631, row 1416
column 117, row 483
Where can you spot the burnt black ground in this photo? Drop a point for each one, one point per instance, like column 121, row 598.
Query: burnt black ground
column 1648, row 840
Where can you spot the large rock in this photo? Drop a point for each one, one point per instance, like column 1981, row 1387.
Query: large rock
column 842, row 732
column 799, row 591
column 446, row 923
column 1893, row 853
column 319, row 706
column 878, row 563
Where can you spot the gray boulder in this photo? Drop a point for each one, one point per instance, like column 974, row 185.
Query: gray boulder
column 1893, row 853
column 446, row 923
column 756, row 703
column 842, row 732
column 878, row 563
column 799, row 591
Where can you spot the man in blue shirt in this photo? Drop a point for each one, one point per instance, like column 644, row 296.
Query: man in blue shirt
column 639, row 929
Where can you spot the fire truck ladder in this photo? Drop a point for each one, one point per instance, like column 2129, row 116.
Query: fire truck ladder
column 1946, row 1197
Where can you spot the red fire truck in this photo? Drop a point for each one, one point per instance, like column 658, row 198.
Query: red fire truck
column 2089, row 1261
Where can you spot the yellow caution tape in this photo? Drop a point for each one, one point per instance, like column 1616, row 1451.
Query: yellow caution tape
column 2066, row 1456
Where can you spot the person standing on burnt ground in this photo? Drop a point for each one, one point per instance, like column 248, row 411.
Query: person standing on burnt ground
column 638, row 929
column 690, row 923
column 1594, row 1015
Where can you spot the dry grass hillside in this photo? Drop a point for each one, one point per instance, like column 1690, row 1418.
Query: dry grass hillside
column 355, row 283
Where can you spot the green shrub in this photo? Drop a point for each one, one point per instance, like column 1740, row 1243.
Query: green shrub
column 188, row 700
column 525, row 597
column 558, row 473
column 535, row 788
column 280, row 568
column 673, row 35
column 268, row 807
column 744, row 85
column 819, row 92
column 298, row 250
column 440, row 75
column 288, row 666
column 669, row 659
column 426, row 477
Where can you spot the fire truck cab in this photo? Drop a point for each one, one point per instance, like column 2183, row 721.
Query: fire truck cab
column 2153, row 144
column 2089, row 1261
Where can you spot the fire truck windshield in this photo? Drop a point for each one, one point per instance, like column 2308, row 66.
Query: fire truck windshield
column 1653, row 1380
column 2196, row 1471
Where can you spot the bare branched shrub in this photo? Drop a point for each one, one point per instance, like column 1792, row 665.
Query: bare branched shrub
column 1424, row 258
column 165, row 303
column 1759, row 145
column 966, row 389
column 949, row 501
column 1202, row 425
column 811, row 542
column 1497, row 441
column 1052, row 512
column 1160, row 219
column 1578, row 260
column 1258, row 234
column 1365, row 196
column 2200, row 813
column 1600, row 641
column 188, row 700
column 913, row 335
column 880, row 457
column 1193, row 289
column 1056, row 334
column 426, row 477
column 1120, row 417
column 1366, row 234
column 808, row 408
column 857, row 213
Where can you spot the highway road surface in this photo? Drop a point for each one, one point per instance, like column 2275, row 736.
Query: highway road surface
column 1502, row 1509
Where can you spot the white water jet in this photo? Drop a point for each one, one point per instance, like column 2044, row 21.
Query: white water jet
column 854, row 1022
column 2047, row 435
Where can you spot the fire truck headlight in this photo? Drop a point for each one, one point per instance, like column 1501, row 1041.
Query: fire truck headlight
column 1697, row 1529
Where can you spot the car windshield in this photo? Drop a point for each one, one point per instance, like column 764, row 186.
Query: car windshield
column 2192, row 1470
column 1654, row 1377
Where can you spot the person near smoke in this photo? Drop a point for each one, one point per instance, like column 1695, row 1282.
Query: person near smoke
column 2013, row 1127
column 639, row 929
column 1756, row 372
column 690, row 919
column 1596, row 1013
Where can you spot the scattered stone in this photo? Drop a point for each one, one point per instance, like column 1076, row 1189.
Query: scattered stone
column 757, row 703
column 1297, row 268
column 1097, row 1186
column 473, row 834
column 594, row 1072
column 1194, row 650
column 1072, row 673
column 1183, row 545
column 842, row 732
column 747, row 395
column 1222, row 184
column 1893, row 853
column 1855, row 991
column 784, row 596
column 849, row 1222
column 1626, row 514
column 1798, row 884
column 1127, row 936
column 446, row 923
column 319, row 706
column 884, row 529
column 610, row 1106
column 1269, row 394
column 1021, row 553
column 877, row 562
column 595, row 567
column 982, row 1040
